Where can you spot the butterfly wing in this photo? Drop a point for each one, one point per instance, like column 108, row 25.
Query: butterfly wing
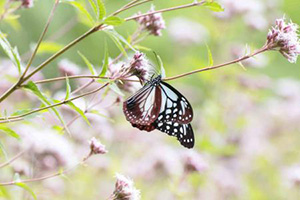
column 143, row 108
column 183, row 132
column 175, row 107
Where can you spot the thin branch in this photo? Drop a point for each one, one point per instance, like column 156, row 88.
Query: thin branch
column 263, row 49
column 47, row 176
column 12, row 159
column 166, row 10
column 56, row 104
column 124, row 7
column 40, row 39
column 49, row 60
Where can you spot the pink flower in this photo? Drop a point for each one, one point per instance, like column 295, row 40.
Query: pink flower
column 284, row 37
column 154, row 23
column 97, row 147
column 68, row 68
column 125, row 190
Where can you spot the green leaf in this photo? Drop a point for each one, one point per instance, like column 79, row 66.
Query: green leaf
column 2, row 149
column 77, row 109
column 214, row 6
column 4, row 193
column 95, row 9
column 116, row 41
column 115, row 88
column 121, row 38
column 27, row 188
column 81, row 9
column 209, row 54
column 101, row 9
column 9, row 131
column 49, row 47
column 161, row 65
column 11, row 52
column 142, row 48
column 68, row 88
column 114, row 21
column 88, row 63
column 96, row 112
column 105, row 62
column 33, row 88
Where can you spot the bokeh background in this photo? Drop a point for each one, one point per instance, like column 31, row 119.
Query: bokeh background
column 246, row 120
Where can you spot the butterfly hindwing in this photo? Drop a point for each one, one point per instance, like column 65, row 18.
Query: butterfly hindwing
column 183, row 132
column 174, row 105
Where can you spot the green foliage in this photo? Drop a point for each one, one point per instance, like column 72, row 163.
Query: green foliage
column 105, row 62
column 49, row 47
column 79, row 111
column 35, row 90
column 88, row 64
column 114, row 21
column 210, row 57
column 27, row 188
column 11, row 52
column 9, row 131
column 214, row 6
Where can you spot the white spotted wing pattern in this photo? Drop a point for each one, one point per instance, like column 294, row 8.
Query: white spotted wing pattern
column 160, row 106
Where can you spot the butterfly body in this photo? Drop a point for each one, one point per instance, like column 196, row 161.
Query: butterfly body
column 160, row 106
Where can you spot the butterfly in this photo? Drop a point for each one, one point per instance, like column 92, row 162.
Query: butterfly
column 158, row 105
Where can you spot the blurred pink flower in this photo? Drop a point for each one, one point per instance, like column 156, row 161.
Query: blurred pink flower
column 66, row 67
column 187, row 32
column 284, row 37
column 154, row 23
column 193, row 162
column 96, row 147
column 125, row 190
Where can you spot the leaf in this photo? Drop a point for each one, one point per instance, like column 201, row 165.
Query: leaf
column 214, row 6
column 27, row 188
column 142, row 48
column 161, row 65
column 9, row 132
column 105, row 62
column 81, row 9
column 68, row 88
column 121, row 38
column 96, row 112
column 101, row 9
column 2, row 149
column 49, row 47
column 209, row 54
column 115, row 88
column 114, row 21
column 11, row 52
column 95, row 9
column 77, row 109
column 33, row 88
column 88, row 63
column 116, row 41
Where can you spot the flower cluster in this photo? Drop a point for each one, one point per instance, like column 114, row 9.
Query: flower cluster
column 284, row 36
column 153, row 23
column 124, row 189
column 139, row 66
column 96, row 147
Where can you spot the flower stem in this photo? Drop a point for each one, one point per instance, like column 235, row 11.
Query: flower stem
column 263, row 49
column 166, row 10
column 55, row 105
column 48, row 176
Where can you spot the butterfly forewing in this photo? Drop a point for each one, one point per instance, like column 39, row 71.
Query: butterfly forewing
column 143, row 108
column 183, row 132
column 175, row 106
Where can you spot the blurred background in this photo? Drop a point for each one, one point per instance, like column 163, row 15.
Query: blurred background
column 246, row 120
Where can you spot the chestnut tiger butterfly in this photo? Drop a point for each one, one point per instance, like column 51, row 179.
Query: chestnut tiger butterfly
column 158, row 105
